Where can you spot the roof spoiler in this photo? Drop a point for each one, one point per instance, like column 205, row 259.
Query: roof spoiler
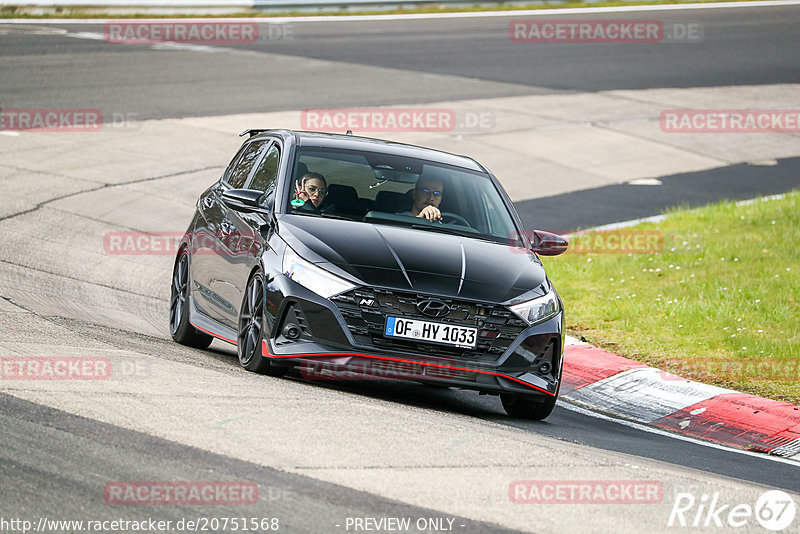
column 254, row 131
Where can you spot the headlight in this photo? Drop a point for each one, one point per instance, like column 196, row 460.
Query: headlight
column 309, row 275
column 537, row 310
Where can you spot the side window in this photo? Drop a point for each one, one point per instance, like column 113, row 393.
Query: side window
column 267, row 172
column 241, row 169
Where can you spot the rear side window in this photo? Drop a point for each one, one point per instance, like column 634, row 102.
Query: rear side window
column 267, row 172
column 242, row 167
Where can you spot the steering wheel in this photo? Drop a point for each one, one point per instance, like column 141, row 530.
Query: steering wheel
column 450, row 217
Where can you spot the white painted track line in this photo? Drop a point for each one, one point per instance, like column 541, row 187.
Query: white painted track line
column 484, row 14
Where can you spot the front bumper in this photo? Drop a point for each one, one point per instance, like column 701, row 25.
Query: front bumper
column 342, row 339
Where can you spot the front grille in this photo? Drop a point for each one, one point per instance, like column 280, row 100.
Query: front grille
column 365, row 311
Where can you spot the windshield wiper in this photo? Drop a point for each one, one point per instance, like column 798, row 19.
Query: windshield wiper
column 454, row 231
column 333, row 216
column 325, row 215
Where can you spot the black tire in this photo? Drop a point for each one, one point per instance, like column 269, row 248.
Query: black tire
column 527, row 408
column 179, row 326
column 251, row 330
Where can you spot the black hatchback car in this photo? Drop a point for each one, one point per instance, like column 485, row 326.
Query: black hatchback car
column 315, row 252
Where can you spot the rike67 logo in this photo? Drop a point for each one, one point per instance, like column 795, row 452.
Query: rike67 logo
column 774, row 510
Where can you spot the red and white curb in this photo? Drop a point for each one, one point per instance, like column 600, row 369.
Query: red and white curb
column 631, row 390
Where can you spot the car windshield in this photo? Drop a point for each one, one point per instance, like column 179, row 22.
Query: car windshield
column 377, row 188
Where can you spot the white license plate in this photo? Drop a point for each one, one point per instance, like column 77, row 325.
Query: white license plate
column 448, row 334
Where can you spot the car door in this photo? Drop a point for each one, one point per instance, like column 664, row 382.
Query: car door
column 244, row 232
column 214, row 241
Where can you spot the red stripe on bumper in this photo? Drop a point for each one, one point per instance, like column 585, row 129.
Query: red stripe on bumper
column 266, row 352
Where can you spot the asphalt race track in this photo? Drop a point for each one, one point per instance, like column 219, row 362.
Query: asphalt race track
column 748, row 46
column 322, row 452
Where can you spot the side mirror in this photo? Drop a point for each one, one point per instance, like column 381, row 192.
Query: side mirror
column 243, row 199
column 548, row 244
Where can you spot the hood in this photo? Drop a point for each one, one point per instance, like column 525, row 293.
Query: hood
column 409, row 259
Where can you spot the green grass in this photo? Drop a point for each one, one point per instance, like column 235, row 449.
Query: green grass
column 720, row 303
column 81, row 12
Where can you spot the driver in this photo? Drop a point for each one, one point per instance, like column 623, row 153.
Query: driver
column 427, row 196
column 311, row 188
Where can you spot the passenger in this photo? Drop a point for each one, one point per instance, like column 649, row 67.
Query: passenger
column 427, row 195
column 311, row 186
